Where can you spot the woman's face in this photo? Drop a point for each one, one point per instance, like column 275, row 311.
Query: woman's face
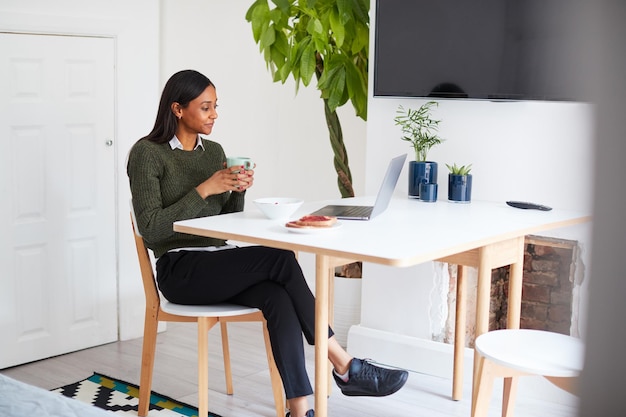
column 199, row 116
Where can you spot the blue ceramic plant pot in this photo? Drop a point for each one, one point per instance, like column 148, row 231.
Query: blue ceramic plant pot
column 421, row 172
column 460, row 188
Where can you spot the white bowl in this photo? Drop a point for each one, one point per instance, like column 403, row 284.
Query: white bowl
column 278, row 207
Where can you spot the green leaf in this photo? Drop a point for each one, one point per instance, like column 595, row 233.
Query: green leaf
column 315, row 27
column 307, row 64
column 360, row 106
column 297, row 51
column 357, row 90
column 283, row 5
column 276, row 16
column 462, row 170
column 337, row 87
column 281, row 43
column 333, row 85
column 268, row 37
column 257, row 7
column 324, row 82
column 361, row 40
column 284, row 71
column 267, row 55
column 258, row 15
column 344, row 7
column 360, row 10
column 278, row 58
column 337, row 28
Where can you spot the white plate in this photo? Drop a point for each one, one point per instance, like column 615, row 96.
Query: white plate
column 312, row 230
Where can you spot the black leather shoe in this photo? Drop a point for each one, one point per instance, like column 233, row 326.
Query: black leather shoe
column 366, row 379
column 309, row 413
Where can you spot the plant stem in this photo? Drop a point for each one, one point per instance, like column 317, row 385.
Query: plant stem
column 340, row 160
column 344, row 176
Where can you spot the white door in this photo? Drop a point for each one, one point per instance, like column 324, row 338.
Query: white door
column 57, row 184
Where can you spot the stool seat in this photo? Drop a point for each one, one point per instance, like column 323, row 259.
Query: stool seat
column 533, row 351
column 512, row 353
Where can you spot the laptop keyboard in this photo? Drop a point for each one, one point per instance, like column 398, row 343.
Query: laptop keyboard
column 356, row 211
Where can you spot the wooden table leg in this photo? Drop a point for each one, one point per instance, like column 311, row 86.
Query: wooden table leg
column 322, row 288
column 483, row 296
column 463, row 261
column 459, row 332
column 516, row 276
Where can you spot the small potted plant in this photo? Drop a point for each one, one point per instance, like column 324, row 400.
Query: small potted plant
column 460, row 183
column 419, row 128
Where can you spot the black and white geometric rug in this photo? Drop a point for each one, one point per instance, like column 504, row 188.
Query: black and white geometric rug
column 123, row 398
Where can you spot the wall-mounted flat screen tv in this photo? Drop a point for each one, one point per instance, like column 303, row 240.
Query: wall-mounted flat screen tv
column 477, row 49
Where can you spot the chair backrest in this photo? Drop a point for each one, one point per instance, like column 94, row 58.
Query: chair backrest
column 153, row 301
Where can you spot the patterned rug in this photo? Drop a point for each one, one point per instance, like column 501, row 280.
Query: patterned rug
column 122, row 398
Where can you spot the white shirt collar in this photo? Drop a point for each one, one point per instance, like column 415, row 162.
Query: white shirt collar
column 175, row 143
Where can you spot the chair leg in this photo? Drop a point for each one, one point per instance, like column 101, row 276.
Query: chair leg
column 148, row 351
column 331, row 323
column 228, row 374
column 204, row 324
column 483, row 387
column 459, row 333
column 486, row 373
column 509, row 394
column 277, row 383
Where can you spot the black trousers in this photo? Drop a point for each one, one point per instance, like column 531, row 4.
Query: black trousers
column 256, row 276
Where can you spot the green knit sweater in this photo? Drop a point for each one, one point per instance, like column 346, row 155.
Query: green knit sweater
column 162, row 184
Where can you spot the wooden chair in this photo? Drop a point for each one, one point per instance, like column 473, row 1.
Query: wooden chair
column 206, row 316
column 511, row 353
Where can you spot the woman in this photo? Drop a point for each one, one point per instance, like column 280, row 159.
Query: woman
column 175, row 175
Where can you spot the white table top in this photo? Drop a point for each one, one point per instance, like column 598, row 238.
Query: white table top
column 408, row 233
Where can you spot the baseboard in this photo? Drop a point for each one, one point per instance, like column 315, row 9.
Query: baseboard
column 434, row 358
column 412, row 353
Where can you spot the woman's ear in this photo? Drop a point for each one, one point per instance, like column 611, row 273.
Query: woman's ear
column 177, row 110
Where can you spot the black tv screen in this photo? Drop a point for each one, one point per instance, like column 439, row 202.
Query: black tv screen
column 478, row 49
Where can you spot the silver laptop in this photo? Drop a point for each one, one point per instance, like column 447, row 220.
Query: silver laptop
column 382, row 199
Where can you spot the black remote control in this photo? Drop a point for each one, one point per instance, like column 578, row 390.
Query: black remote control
column 527, row 205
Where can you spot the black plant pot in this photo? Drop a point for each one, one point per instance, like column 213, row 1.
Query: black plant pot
column 421, row 172
column 460, row 188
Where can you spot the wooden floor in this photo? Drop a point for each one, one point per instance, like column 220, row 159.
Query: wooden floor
column 175, row 376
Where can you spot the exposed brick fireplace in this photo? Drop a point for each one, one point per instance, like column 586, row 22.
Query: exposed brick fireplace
column 549, row 292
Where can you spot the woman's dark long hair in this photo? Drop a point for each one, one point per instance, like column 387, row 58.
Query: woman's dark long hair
column 181, row 88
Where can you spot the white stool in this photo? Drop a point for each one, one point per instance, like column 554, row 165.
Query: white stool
column 511, row 353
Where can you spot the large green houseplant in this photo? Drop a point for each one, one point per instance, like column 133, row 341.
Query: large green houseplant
column 328, row 39
column 420, row 129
